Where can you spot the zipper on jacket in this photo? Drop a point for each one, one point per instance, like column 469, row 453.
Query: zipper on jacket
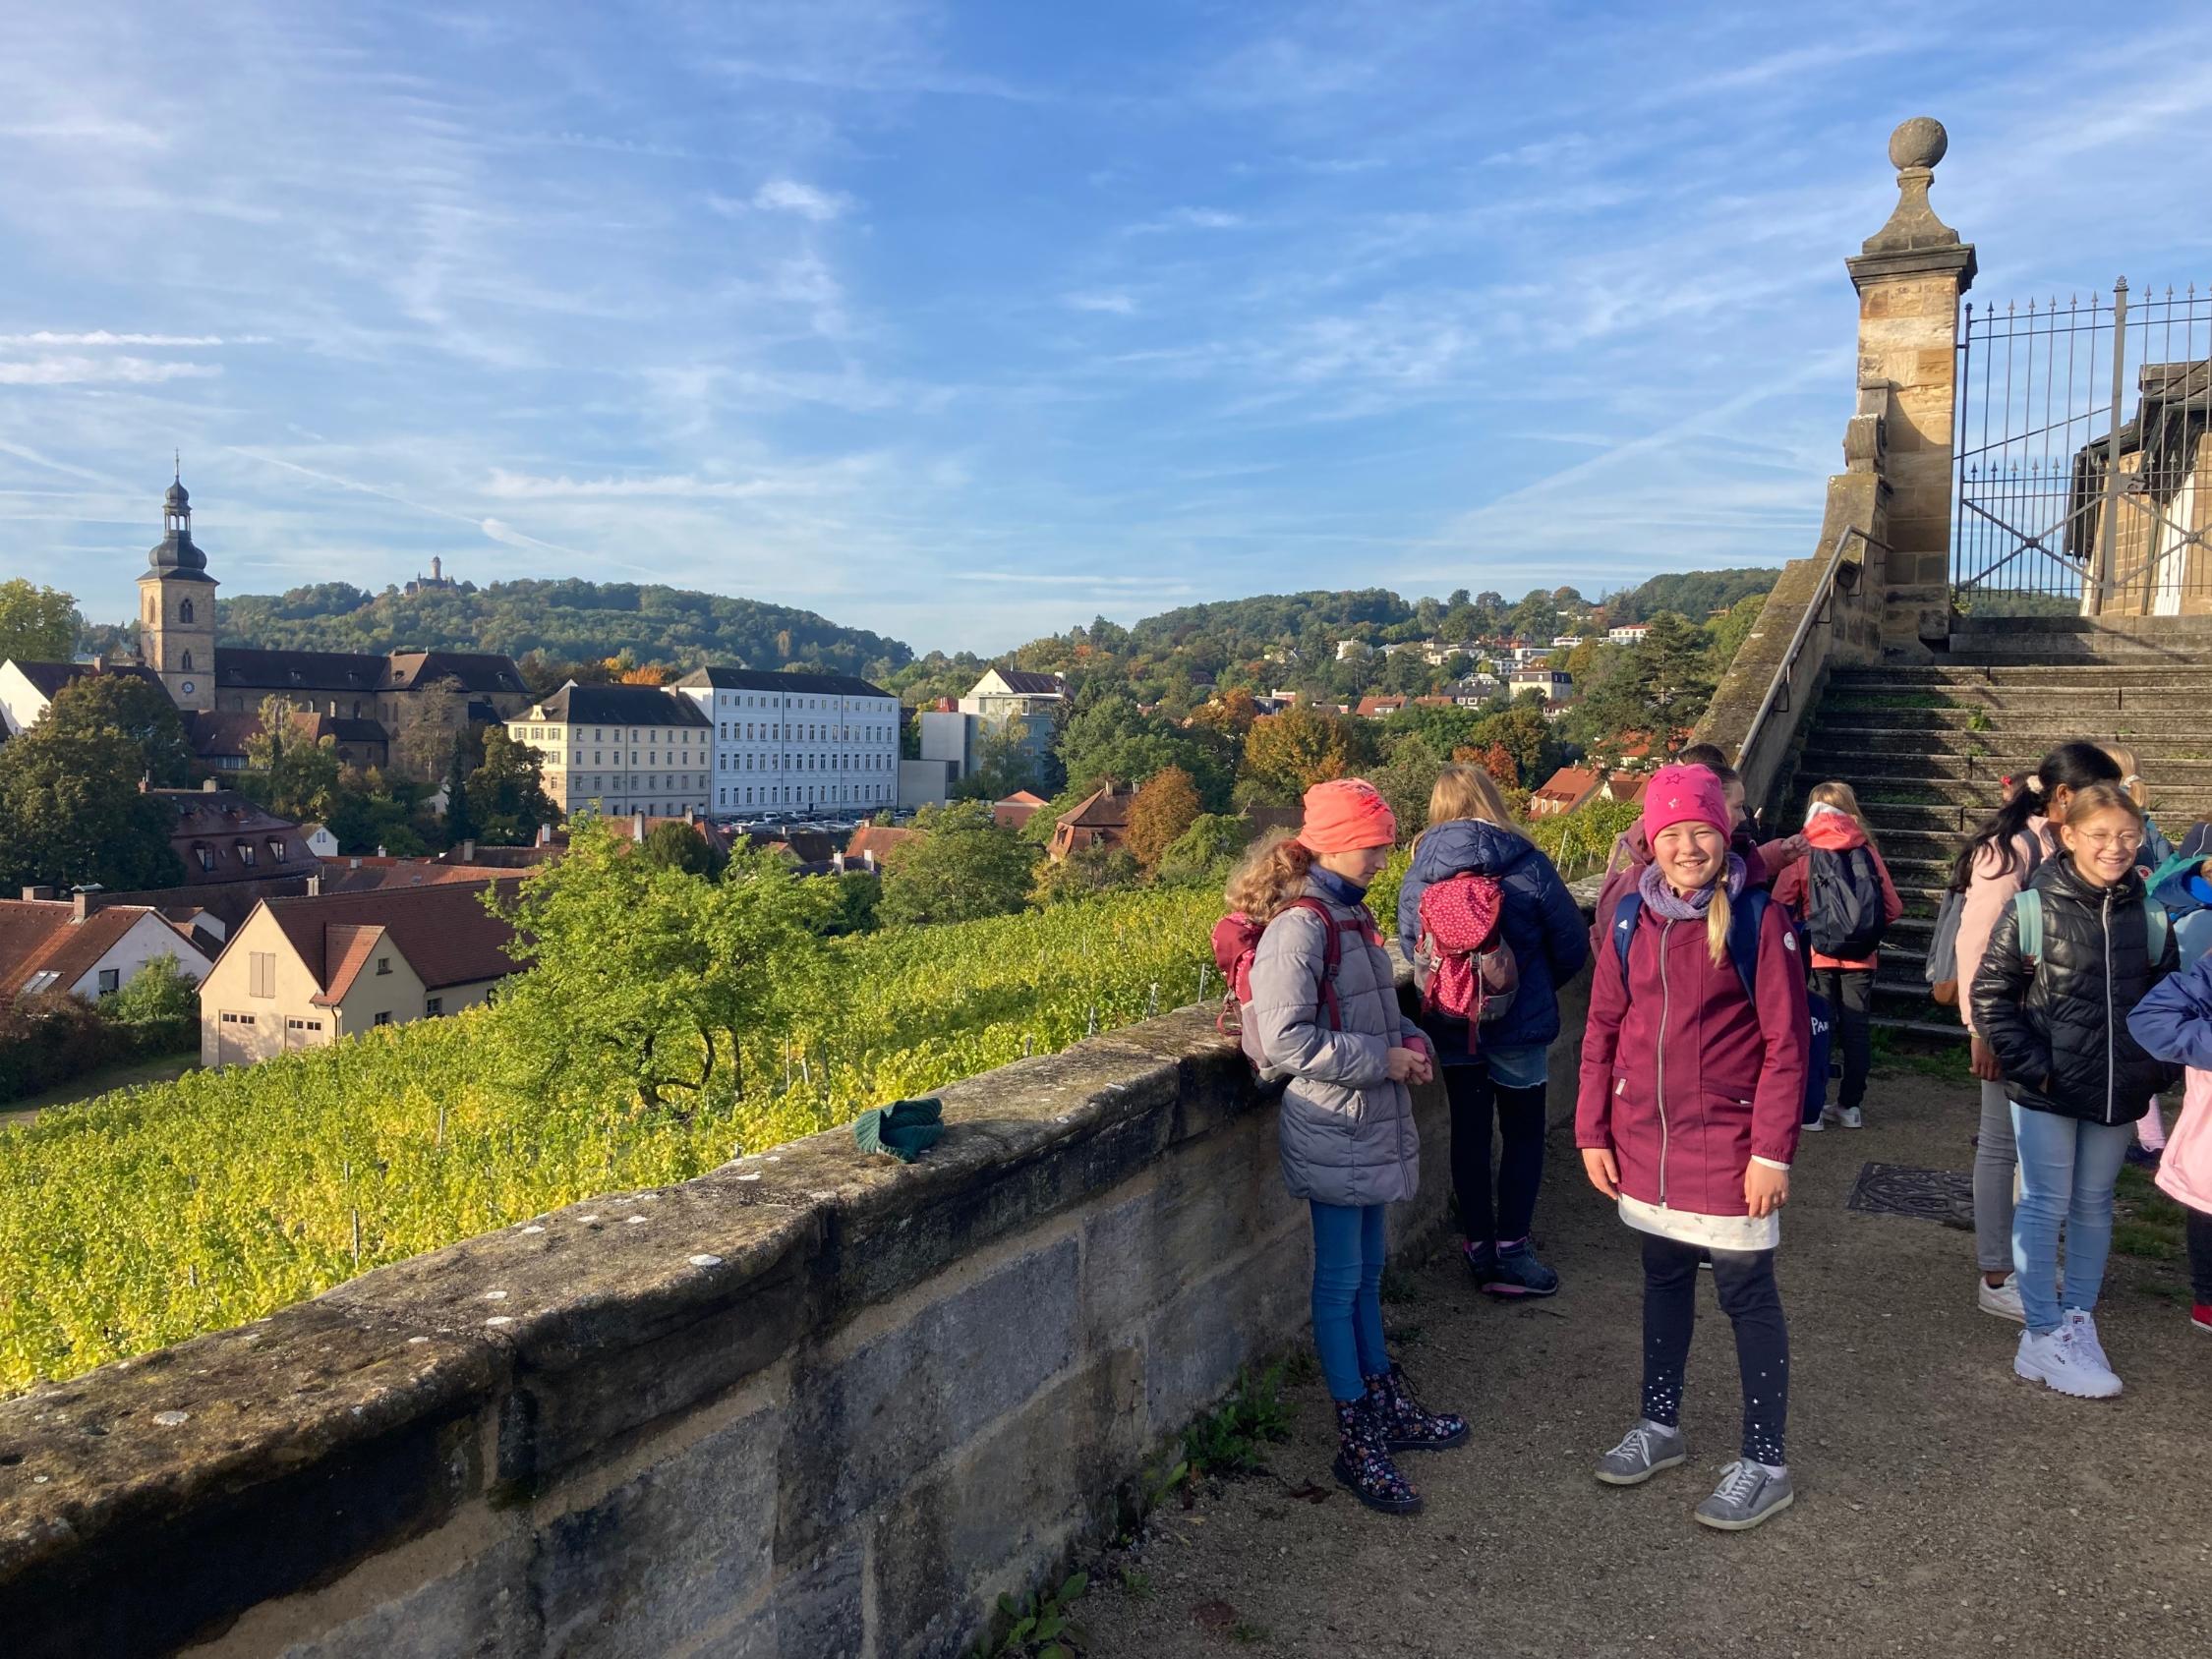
column 2111, row 1056
column 1667, row 930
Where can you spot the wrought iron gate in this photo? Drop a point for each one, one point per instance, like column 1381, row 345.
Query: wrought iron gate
column 2057, row 512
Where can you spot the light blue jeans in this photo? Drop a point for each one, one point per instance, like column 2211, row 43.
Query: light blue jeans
column 1347, row 1295
column 2068, row 1169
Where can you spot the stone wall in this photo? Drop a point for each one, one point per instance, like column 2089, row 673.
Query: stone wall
column 808, row 1405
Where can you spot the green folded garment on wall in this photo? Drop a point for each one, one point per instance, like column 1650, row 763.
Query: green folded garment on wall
column 905, row 1128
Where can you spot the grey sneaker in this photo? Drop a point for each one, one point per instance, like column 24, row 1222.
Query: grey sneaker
column 1746, row 1496
column 1642, row 1451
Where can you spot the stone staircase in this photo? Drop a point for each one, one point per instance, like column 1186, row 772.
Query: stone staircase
column 1924, row 748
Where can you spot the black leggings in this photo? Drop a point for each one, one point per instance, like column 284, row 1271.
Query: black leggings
column 2199, row 1233
column 1745, row 1279
column 1851, row 1005
column 1520, row 1169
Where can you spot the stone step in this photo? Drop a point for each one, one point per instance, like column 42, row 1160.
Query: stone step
column 2003, row 752
column 2030, row 677
column 2055, row 719
column 2029, row 639
column 1832, row 760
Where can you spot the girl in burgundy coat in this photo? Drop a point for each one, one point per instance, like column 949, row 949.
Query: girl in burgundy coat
column 1688, row 1114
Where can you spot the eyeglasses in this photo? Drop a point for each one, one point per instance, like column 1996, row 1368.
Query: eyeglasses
column 2126, row 841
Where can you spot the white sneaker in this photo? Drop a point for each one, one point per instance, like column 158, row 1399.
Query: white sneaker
column 1816, row 1125
column 1852, row 1118
column 2003, row 1300
column 2081, row 1329
column 2056, row 1362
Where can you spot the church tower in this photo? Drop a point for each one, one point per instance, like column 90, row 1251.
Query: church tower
column 177, row 608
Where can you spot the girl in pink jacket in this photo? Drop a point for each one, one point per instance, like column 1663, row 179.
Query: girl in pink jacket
column 2175, row 1022
column 1693, row 1081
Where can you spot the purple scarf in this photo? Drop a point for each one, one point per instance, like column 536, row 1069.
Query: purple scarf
column 1661, row 898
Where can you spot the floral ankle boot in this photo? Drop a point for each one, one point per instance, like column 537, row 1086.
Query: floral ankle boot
column 1363, row 1462
column 1406, row 1427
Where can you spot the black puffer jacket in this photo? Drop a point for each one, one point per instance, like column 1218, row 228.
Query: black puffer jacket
column 2060, row 1029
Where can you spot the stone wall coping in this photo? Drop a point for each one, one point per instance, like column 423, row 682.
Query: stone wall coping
column 474, row 1365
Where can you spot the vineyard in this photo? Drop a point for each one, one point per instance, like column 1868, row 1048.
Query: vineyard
column 147, row 1216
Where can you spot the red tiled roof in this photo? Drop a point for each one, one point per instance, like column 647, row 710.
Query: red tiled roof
column 1102, row 809
column 1569, row 786
column 877, row 839
column 348, row 948
column 1371, row 707
column 44, row 935
column 444, row 931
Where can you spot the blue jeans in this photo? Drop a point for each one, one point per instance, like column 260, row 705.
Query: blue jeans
column 2067, row 1168
column 1347, row 1295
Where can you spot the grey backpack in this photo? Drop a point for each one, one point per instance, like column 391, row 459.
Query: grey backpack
column 1940, row 970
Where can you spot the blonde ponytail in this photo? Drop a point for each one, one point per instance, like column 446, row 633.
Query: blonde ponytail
column 1716, row 922
column 1272, row 874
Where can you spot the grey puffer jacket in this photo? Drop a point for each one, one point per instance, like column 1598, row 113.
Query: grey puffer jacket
column 1347, row 1130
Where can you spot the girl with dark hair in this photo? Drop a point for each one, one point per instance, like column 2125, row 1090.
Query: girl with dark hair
column 1993, row 867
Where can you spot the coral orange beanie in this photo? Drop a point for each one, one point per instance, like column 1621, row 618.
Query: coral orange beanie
column 1345, row 814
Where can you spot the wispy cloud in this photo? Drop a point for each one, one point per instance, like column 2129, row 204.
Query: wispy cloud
column 90, row 371
column 101, row 337
column 1116, row 301
column 789, row 195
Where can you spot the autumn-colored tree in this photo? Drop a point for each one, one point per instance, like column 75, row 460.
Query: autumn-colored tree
column 1496, row 760
column 649, row 674
column 1159, row 814
column 1232, row 713
column 1300, row 747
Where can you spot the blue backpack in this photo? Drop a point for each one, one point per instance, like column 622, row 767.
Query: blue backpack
column 1745, row 917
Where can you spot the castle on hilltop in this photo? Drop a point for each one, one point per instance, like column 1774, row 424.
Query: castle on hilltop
column 360, row 701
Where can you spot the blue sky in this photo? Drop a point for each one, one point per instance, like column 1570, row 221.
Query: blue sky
column 965, row 322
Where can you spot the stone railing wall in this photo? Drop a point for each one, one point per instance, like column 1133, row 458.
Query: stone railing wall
column 809, row 1405
column 1848, row 617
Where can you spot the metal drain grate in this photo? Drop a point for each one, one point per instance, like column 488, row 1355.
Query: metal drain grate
column 1899, row 1189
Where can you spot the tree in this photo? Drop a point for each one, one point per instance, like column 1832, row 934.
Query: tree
column 647, row 967
column 299, row 775
column 506, row 795
column 429, row 726
column 1406, row 780
column 460, row 822
column 965, row 867
column 1232, row 714
column 1202, row 852
column 159, row 993
column 370, row 810
column 71, row 814
column 1161, row 811
column 1287, row 754
column 679, row 847
column 1004, row 762
column 1083, row 873
column 136, row 709
column 1672, row 672
column 1727, row 632
column 37, row 624
column 1537, row 616
column 1498, row 760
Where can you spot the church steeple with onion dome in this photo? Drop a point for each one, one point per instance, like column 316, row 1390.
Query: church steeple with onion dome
column 177, row 605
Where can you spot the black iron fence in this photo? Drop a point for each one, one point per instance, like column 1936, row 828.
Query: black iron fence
column 2063, row 506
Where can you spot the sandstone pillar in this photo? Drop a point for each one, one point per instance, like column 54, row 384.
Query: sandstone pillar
column 1909, row 276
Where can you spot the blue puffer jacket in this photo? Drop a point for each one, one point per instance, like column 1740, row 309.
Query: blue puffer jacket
column 1550, row 940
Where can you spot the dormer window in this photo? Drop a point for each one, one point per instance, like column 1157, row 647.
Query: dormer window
column 244, row 851
column 296, row 676
column 207, row 854
column 276, row 850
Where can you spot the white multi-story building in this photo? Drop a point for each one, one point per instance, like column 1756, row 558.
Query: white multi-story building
column 795, row 740
column 620, row 748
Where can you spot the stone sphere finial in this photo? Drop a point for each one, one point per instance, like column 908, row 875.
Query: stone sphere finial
column 1918, row 143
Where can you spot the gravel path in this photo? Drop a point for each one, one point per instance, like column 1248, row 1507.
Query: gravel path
column 1943, row 1507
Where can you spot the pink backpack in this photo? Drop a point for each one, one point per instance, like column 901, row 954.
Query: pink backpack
column 1463, row 966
